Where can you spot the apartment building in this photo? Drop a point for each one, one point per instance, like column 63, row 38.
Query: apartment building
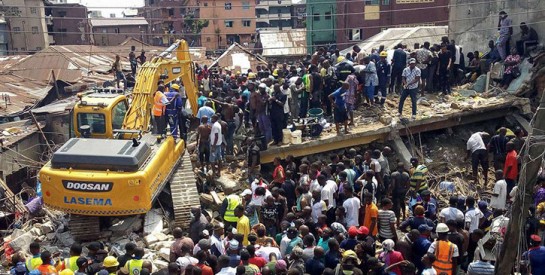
column 67, row 24
column 26, row 22
column 273, row 14
column 113, row 31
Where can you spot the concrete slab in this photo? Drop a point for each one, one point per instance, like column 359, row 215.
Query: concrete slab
column 153, row 221
column 402, row 151
column 442, row 118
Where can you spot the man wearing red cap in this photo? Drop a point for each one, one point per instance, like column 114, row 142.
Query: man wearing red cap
column 535, row 256
column 351, row 242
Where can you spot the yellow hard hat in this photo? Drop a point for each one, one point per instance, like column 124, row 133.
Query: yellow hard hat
column 238, row 73
column 251, row 75
column 275, row 72
column 110, row 261
column 175, row 86
column 66, row 272
column 383, row 54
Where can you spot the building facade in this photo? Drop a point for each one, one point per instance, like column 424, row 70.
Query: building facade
column 273, row 14
column 167, row 20
column 113, row 31
column 27, row 28
column 228, row 21
column 363, row 19
column 67, row 24
column 321, row 24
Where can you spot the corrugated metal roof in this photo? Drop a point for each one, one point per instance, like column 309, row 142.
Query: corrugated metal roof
column 122, row 21
column 391, row 37
column 18, row 94
column 9, row 60
column 238, row 56
column 284, row 43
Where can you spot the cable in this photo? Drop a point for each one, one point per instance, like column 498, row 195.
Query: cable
column 180, row 19
column 186, row 6
column 316, row 45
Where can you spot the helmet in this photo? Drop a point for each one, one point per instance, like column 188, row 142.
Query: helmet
column 251, row 75
column 442, row 228
column 110, row 261
column 383, row 54
column 175, row 86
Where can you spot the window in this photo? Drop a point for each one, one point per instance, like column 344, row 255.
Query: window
column 34, row 10
column 23, row 49
column 16, row 29
column 245, row 5
column 229, row 23
column 279, row 1
column 62, row 13
column 372, row 2
column 328, row 15
column 118, row 115
column 171, row 12
column 116, row 30
column 38, row 48
column 208, row 39
column 205, row 4
column 386, row 2
column 316, row 17
column 96, row 121
column 246, row 23
column 354, row 34
column 228, row 6
column 34, row 30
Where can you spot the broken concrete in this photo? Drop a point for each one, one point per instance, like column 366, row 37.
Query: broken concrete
column 153, row 221
column 22, row 242
column 127, row 225
column 229, row 186
column 47, row 227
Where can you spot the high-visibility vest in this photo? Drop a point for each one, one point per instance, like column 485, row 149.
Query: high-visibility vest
column 158, row 106
column 232, row 202
column 134, row 266
column 71, row 263
column 443, row 253
column 33, row 263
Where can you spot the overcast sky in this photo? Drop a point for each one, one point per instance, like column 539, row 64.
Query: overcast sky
column 109, row 6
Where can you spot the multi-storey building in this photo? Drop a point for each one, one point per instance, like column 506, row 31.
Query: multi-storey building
column 274, row 14
column 67, row 24
column 113, row 31
column 26, row 23
column 167, row 20
column 320, row 23
column 363, row 19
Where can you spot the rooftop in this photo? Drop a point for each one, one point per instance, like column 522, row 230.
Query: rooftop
column 284, row 42
column 123, row 21
column 239, row 58
column 18, row 94
column 391, row 37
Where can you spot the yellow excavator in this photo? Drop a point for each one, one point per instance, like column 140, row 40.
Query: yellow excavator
column 115, row 166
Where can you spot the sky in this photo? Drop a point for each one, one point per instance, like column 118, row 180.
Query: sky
column 109, row 6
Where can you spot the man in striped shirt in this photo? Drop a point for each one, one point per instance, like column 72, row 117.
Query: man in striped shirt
column 419, row 173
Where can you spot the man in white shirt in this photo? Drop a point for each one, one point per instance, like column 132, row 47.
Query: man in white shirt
column 351, row 206
column 319, row 207
column 499, row 195
column 473, row 215
column 451, row 212
column 329, row 190
column 223, row 263
column 477, row 150
column 216, row 140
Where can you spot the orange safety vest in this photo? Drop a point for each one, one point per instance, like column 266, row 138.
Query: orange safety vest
column 443, row 252
column 158, row 106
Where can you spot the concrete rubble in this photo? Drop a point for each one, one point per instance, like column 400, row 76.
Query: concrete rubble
column 150, row 231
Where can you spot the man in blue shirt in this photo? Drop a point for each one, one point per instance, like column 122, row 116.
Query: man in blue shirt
column 172, row 110
column 535, row 255
column 341, row 116
column 399, row 63
column 207, row 111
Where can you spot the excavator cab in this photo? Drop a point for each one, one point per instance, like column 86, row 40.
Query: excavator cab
column 99, row 113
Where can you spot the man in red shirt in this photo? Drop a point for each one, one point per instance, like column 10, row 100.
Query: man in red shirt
column 205, row 269
column 278, row 174
column 255, row 260
column 510, row 168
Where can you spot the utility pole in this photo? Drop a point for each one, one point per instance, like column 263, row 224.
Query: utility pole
column 516, row 228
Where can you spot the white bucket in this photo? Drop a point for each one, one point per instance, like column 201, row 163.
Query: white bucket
column 286, row 136
column 297, row 137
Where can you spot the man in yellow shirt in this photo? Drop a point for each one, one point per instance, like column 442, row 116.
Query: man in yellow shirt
column 243, row 224
column 370, row 216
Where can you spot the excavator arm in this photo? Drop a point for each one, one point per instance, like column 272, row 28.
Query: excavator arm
column 138, row 115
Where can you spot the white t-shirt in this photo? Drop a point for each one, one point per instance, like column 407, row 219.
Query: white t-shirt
column 500, row 188
column 287, row 103
column 317, row 209
column 377, row 165
column 455, row 254
column 259, row 200
column 475, row 142
column 472, row 217
column 216, row 129
column 429, row 271
column 451, row 213
column 315, row 186
column 352, row 207
column 266, row 251
column 328, row 193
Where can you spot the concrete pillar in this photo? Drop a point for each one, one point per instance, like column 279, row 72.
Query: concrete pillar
column 401, row 150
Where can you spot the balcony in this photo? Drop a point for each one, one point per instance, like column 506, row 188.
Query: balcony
column 49, row 20
column 274, row 16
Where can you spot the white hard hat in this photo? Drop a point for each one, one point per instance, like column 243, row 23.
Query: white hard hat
column 442, row 228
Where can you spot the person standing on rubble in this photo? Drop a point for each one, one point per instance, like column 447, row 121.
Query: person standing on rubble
column 133, row 61
column 173, row 108
column 118, row 72
column 479, row 155
column 505, row 26
column 411, row 80
column 497, row 146
column 339, row 107
column 159, row 103
column 277, row 117
column 383, row 73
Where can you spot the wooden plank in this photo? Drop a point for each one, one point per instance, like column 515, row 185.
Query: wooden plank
column 215, row 197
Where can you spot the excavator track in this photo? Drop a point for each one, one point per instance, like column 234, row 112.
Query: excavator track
column 183, row 189
column 84, row 228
